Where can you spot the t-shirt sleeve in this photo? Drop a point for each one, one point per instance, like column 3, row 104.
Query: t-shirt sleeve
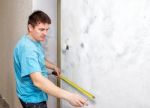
column 29, row 63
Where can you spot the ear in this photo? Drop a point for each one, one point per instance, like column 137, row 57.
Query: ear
column 30, row 27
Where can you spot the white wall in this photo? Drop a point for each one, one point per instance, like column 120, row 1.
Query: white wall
column 109, row 51
column 49, row 7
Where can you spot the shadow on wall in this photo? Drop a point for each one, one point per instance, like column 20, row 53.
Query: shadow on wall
column 3, row 103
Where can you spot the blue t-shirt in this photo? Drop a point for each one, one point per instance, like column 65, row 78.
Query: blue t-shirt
column 28, row 58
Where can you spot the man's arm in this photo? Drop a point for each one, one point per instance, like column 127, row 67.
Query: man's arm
column 49, row 65
column 47, row 86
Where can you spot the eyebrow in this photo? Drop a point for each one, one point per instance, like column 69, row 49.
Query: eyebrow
column 43, row 29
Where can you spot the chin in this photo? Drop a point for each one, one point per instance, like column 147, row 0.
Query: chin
column 42, row 40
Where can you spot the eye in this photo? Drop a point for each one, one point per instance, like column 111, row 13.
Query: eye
column 41, row 29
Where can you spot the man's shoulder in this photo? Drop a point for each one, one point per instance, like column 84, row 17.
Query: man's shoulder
column 25, row 45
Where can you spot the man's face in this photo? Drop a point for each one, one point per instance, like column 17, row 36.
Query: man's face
column 39, row 32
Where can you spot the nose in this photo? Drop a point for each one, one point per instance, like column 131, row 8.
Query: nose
column 45, row 32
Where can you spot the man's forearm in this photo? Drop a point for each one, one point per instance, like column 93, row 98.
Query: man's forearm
column 50, row 65
column 47, row 86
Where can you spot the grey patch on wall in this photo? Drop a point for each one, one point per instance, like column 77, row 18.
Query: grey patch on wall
column 82, row 45
column 90, row 22
column 3, row 103
column 66, row 49
column 86, row 2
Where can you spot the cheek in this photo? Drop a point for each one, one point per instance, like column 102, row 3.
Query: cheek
column 37, row 33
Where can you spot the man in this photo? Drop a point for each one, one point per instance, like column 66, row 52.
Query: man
column 32, row 84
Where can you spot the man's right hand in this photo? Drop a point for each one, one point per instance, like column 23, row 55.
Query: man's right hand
column 76, row 100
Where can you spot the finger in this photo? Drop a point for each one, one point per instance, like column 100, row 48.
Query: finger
column 59, row 71
column 85, row 102
column 80, row 104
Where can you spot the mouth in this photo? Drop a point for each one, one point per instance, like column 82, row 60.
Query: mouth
column 43, row 37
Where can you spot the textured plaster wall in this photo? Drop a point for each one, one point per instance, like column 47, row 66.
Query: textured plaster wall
column 106, row 50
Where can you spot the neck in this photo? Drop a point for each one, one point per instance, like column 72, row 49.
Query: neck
column 31, row 37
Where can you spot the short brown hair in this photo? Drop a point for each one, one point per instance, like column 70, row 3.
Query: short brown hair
column 38, row 16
